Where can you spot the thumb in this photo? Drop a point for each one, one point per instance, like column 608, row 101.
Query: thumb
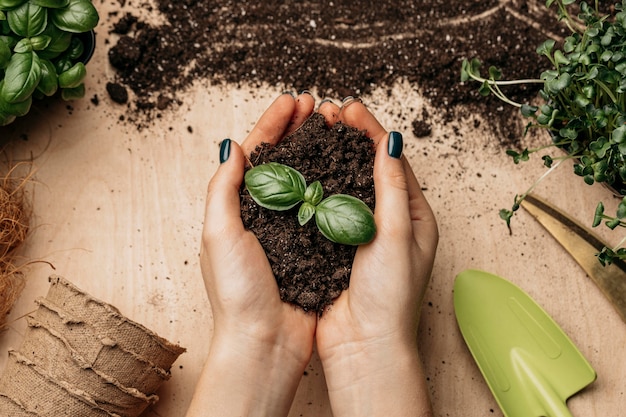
column 223, row 206
column 392, row 213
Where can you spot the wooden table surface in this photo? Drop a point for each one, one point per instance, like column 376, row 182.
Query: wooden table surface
column 118, row 211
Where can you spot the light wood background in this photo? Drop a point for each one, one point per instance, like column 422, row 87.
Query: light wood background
column 119, row 212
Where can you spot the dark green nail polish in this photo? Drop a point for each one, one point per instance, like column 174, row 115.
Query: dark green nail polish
column 394, row 147
column 224, row 150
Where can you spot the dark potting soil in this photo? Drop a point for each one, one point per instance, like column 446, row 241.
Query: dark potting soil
column 337, row 48
column 311, row 270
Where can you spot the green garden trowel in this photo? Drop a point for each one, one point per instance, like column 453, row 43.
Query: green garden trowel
column 529, row 363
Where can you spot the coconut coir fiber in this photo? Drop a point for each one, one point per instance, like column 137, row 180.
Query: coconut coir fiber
column 310, row 270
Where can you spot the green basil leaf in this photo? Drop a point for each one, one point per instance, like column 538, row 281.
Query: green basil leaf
column 77, row 17
column 10, row 4
column 23, row 46
column 305, row 213
column 15, row 109
column 59, row 42
column 275, row 186
column 69, row 94
column 73, row 77
column 40, row 42
column 51, row 4
column 6, row 119
column 28, row 20
column 76, row 49
column 21, row 77
column 314, row 193
column 5, row 54
column 63, row 64
column 49, row 84
column 346, row 220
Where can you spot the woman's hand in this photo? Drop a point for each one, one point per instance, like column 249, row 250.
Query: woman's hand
column 260, row 345
column 367, row 340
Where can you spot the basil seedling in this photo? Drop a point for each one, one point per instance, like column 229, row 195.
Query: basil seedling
column 340, row 218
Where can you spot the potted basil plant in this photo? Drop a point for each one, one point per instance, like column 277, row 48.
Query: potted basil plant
column 44, row 46
column 583, row 103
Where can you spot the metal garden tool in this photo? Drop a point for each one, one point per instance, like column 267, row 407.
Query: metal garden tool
column 529, row 363
column 583, row 245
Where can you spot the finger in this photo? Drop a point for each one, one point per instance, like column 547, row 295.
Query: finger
column 272, row 125
column 329, row 110
column 355, row 114
column 391, row 186
column 304, row 108
column 425, row 228
column 223, row 191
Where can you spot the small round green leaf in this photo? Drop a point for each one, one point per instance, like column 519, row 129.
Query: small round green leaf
column 346, row 220
column 77, row 17
column 275, row 186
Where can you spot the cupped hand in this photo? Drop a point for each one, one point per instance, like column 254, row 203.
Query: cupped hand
column 260, row 345
column 367, row 339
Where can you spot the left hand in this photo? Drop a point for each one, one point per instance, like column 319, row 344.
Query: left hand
column 260, row 345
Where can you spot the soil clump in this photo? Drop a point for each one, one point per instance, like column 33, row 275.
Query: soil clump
column 311, row 271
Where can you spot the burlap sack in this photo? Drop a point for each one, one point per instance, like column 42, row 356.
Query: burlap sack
column 107, row 321
column 55, row 358
column 9, row 408
column 42, row 395
column 101, row 354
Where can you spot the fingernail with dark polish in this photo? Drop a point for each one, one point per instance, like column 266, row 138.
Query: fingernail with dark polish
column 394, row 147
column 224, row 150
column 306, row 92
column 290, row 93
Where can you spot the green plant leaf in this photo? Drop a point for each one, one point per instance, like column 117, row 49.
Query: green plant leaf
column 69, row 94
column 73, row 77
column 21, row 77
column 28, row 20
column 51, row 4
column 346, row 220
column 305, row 213
column 314, row 193
column 59, row 42
column 10, row 4
column 77, row 17
column 275, row 186
column 5, row 54
column 546, row 48
column 15, row 109
column 49, row 84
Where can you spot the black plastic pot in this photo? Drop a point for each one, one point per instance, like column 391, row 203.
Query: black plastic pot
column 89, row 41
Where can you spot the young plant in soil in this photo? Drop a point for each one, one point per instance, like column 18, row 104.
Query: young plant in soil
column 584, row 105
column 341, row 218
column 40, row 53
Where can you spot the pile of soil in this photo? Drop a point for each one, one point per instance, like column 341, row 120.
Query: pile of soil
column 336, row 48
column 311, row 270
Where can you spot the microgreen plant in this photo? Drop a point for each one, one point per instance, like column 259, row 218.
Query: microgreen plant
column 39, row 52
column 584, row 103
column 340, row 218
